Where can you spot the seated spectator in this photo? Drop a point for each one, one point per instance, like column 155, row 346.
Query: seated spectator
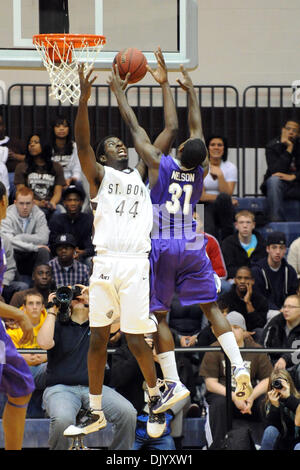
column 282, row 177
column 26, row 227
column 281, row 407
column 274, row 278
column 244, row 247
column 213, row 370
column 293, row 256
column 38, row 172
column 66, row 270
column 67, row 390
column 11, row 282
column 12, row 152
column 42, row 283
column 283, row 331
column 131, row 386
column 243, row 298
column 218, row 188
column 75, row 222
column 34, row 308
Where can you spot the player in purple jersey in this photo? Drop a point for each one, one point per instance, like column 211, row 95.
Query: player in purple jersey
column 16, row 380
column 178, row 260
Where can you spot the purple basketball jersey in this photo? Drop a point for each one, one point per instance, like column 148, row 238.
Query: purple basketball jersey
column 174, row 197
column 2, row 265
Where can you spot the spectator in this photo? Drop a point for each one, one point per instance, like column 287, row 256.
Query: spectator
column 293, row 256
column 26, row 227
column 42, row 283
column 244, row 299
column 213, row 370
column 4, row 177
column 218, row 189
column 67, row 381
column 34, row 308
column 11, row 282
column 281, row 407
column 283, row 331
column 67, row 271
column 75, row 222
column 244, row 247
column 282, row 177
column 38, row 172
column 12, row 152
column 275, row 279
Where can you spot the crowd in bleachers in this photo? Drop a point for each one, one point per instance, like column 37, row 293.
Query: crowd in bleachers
column 47, row 235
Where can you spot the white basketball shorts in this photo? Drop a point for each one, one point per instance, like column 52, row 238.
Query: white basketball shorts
column 119, row 288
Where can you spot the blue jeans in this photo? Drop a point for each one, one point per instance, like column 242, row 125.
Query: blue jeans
column 159, row 443
column 63, row 402
column 39, row 375
column 275, row 198
column 269, row 438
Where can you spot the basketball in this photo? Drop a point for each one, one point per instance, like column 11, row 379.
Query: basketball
column 131, row 60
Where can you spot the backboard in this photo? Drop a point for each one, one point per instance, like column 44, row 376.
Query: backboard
column 145, row 24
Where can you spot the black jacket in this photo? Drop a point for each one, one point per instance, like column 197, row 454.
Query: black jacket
column 275, row 286
column 235, row 256
column 255, row 319
column 283, row 419
column 274, row 336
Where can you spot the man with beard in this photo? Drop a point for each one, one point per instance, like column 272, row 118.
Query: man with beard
column 244, row 299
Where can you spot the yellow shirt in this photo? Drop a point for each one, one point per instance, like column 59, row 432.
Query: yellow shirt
column 17, row 333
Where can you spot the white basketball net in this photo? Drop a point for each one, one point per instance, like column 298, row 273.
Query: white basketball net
column 62, row 62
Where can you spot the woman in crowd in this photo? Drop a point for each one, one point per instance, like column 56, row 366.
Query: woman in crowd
column 38, row 172
column 281, row 407
column 218, row 189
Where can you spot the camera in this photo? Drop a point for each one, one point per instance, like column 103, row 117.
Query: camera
column 277, row 384
column 63, row 298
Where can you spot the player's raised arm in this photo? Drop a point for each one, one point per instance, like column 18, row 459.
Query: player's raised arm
column 148, row 152
column 166, row 138
column 93, row 171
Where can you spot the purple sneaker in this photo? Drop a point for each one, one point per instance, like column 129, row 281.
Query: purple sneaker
column 174, row 391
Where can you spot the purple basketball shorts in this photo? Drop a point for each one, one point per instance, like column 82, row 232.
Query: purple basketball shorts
column 15, row 376
column 189, row 273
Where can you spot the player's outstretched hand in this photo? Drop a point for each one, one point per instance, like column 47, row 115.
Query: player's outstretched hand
column 85, row 83
column 161, row 73
column 186, row 84
column 115, row 82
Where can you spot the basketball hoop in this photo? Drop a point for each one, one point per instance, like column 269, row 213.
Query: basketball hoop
column 61, row 54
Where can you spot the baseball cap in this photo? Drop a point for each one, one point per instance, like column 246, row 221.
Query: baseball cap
column 276, row 238
column 236, row 318
column 73, row 188
column 65, row 239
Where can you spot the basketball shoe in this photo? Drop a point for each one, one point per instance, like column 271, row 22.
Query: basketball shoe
column 156, row 423
column 174, row 391
column 88, row 422
column 243, row 383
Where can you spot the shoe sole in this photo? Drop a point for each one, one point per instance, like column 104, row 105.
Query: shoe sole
column 175, row 399
column 244, row 388
column 155, row 436
column 73, row 431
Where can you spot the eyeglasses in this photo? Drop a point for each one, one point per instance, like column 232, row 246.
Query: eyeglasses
column 290, row 307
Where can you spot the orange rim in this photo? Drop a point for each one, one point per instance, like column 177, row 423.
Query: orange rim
column 71, row 39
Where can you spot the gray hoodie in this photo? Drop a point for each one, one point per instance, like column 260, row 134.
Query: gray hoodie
column 36, row 233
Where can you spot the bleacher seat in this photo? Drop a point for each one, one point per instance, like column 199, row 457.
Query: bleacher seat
column 259, row 204
column 291, row 230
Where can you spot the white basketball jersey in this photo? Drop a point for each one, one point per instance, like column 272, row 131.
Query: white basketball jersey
column 123, row 219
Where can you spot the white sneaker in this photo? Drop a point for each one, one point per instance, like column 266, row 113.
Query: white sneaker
column 156, row 423
column 243, row 383
column 89, row 422
column 174, row 392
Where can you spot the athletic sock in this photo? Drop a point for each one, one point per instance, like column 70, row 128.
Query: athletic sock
column 228, row 342
column 168, row 365
column 95, row 402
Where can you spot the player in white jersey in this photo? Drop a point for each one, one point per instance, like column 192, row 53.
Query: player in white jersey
column 119, row 285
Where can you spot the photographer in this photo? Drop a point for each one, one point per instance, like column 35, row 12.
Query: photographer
column 67, row 343
column 281, row 405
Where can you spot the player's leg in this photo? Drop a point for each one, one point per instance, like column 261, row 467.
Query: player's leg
column 94, row 418
column 13, row 421
column 222, row 330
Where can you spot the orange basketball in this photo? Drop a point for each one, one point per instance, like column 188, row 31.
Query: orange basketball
column 131, row 60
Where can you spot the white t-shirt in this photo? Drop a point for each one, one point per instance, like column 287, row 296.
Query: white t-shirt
column 229, row 170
